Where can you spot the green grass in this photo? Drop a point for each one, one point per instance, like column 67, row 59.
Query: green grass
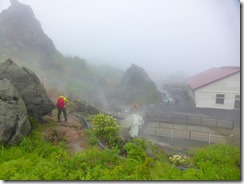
column 35, row 158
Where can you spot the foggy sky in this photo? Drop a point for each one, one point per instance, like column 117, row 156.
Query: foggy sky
column 162, row 36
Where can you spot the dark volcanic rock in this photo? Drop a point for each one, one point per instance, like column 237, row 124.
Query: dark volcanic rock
column 33, row 93
column 135, row 76
column 83, row 107
column 14, row 124
column 137, row 87
column 20, row 29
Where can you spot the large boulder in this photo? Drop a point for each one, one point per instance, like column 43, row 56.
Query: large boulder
column 32, row 91
column 14, row 124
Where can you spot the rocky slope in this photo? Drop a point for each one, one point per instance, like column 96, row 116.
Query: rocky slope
column 22, row 37
column 137, row 88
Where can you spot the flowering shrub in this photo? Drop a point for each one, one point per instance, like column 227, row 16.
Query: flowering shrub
column 105, row 128
column 179, row 160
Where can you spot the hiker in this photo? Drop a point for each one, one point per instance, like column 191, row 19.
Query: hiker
column 61, row 105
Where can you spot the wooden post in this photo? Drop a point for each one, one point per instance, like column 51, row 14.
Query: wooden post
column 189, row 135
column 209, row 138
column 172, row 134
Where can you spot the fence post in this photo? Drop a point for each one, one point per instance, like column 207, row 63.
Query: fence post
column 186, row 122
column 209, row 138
column 155, row 131
column 189, row 135
column 201, row 125
column 145, row 119
column 172, row 134
column 215, row 127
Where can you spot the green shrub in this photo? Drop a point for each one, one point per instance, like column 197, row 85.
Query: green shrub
column 136, row 149
column 106, row 129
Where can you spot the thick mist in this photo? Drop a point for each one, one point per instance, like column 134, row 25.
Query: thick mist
column 164, row 37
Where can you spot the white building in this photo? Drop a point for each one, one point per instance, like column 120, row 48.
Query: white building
column 216, row 88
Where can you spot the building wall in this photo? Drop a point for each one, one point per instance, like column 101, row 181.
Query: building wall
column 229, row 86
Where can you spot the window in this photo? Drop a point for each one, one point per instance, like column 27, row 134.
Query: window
column 220, row 99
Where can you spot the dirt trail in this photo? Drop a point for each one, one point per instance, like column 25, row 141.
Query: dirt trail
column 72, row 131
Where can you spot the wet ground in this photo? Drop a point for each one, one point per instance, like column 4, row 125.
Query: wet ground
column 72, row 132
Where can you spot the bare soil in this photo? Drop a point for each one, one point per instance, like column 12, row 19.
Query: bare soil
column 71, row 132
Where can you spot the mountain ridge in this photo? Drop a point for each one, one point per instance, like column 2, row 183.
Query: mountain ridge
column 23, row 40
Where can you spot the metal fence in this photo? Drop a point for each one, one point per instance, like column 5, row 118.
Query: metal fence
column 189, row 120
column 192, row 128
column 183, row 134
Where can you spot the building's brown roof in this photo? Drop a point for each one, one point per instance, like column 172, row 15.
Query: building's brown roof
column 211, row 75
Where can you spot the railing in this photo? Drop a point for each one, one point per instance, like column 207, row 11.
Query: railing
column 189, row 120
column 182, row 134
column 192, row 128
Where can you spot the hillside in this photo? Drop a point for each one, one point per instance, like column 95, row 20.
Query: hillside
column 111, row 74
column 23, row 40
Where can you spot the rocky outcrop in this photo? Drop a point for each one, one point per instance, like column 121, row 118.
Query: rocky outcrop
column 21, row 94
column 137, row 88
column 29, row 87
column 135, row 76
column 20, row 30
column 84, row 108
column 14, row 124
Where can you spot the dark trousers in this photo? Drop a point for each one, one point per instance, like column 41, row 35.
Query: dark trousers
column 62, row 110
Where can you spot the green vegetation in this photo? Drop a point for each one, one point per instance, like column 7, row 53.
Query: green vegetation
column 106, row 129
column 36, row 158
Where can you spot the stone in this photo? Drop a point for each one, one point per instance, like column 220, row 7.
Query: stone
column 14, row 123
column 32, row 91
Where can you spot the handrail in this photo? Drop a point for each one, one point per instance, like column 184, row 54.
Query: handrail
column 227, row 122
column 86, row 125
column 179, row 115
